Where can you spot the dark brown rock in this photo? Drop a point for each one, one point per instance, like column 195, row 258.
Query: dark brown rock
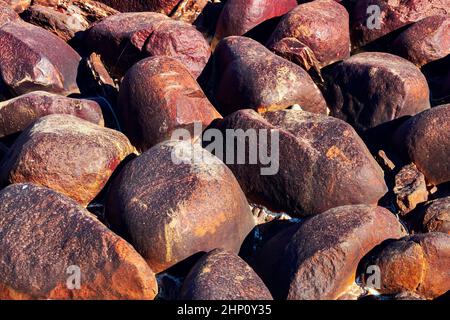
column 20, row 112
column 248, row 76
column 418, row 264
column 157, row 96
column 163, row 6
column 176, row 200
column 43, row 234
column 372, row 88
column 32, row 58
column 222, row 275
column 410, row 188
column 67, row 154
column 435, row 216
column 322, row 26
column 425, row 139
column 322, row 162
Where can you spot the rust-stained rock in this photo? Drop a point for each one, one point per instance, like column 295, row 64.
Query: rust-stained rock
column 319, row 162
column 7, row 14
column 418, row 264
column 249, row 76
column 20, row 112
column 123, row 39
column 157, row 96
column 176, row 200
column 222, row 275
column 425, row 139
column 240, row 16
column 425, row 41
column 32, row 58
column 372, row 88
column 321, row 259
column 410, row 188
column 434, row 216
column 18, row 5
column 322, row 26
column 46, row 238
column 393, row 16
column 67, row 154
column 163, row 6
column 188, row 10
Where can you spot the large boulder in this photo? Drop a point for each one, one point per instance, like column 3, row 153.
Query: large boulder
column 7, row 14
column 46, row 238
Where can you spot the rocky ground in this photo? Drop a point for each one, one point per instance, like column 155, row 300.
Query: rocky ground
column 94, row 206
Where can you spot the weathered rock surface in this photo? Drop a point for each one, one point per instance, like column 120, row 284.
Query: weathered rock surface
column 18, row 5
column 322, row 26
column 371, row 88
column 7, row 14
column 157, row 96
column 222, row 275
column 123, row 39
column 18, row 113
column 248, row 76
column 410, row 188
column 418, row 264
column 322, row 163
column 425, row 139
column 67, row 154
column 32, row 58
column 45, row 237
column 434, row 216
column 176, row 200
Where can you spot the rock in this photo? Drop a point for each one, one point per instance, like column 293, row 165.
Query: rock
column 176, row 200
column 67, row 154
column 20, row 112
column 32, row 58
column 188, row 10
column 248, row 76
column 410, row 188
column 240, row 16
column 124, row 39
column 163, row 6
column 316, row 162
column 435, row 216
column 158, row 96
column 372, row 88
column 425, row 41
column 393, row 16
column 417, row 264
column 425, row 139
column 7, row 14
column 222, row 275
column 322, row 26
column 321, row 259
column 46, row 238
column 18, row 5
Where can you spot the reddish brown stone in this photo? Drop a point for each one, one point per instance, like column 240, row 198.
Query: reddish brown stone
column 163, row 6
column 435, row 216
column 32, row 58
column 126, row 38
column 322, row 26
column 418, row 264
column 222, row 275
column 240, row 16
column 410, row 188
column 67, row 154
column 372, row 88
column 18, row 5
column 322, row 162
column 171, row 210
column 248, row 76
column 18, row 113
column 425, row 139
column 7, row 14
column 157, row 96
column 188, row 10
column 43, row 234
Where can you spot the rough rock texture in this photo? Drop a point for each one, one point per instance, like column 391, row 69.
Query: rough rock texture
column 126, row 38
column 393, row 15
column 410, row 188
column 239, row 16
column 425, row 138
column 176, row 200
column 425, row 41
column 18, row 5
column 43, row 233
column 371, row 88
column 322, row 162
column 7, row 14
column 32, row 58
column 418, row 264
column 67, row 154
column 222, row 275
column 18, row 113
column 157, row 96
column 321, row 259
column 248, row 76
column 435, row 216
column 322, row 26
